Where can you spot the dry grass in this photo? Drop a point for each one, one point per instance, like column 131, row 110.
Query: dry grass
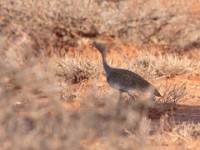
column 163, row 66
column 33, row 85
column 78, row 68
column 36, row 117
column 62, row 23
column 31, row 109
column 151, row 66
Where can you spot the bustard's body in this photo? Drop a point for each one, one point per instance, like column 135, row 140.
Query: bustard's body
column 122, row 79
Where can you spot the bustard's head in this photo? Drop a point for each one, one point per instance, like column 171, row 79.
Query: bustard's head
column 100, row 47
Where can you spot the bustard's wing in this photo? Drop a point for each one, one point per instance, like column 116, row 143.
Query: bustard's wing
column 121, row 81
column 125, row 79
column 141, row 83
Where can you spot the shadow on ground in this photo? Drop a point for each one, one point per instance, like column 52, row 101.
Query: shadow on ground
column 180, row 113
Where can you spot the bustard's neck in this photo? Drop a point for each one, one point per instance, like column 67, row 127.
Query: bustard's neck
column 105, row 64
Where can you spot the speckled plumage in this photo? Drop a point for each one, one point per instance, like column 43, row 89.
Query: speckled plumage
column 122, row 79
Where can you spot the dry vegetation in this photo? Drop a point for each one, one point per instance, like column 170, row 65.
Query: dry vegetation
column 35, row 86
column 161, row 66
column 71, row 23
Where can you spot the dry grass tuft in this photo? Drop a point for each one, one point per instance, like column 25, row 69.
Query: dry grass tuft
column 148, row 65
column 77, row 69
column 186, row 131
column 163, row 66
column 29, row 99
column 62, row 23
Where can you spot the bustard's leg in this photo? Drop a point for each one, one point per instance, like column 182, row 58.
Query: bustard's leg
column 120, row 97
column 119, row 101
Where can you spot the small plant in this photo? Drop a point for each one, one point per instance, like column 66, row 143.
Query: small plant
column 186, row 131
column 173, row 93
column 163, row 66
column 79, row 69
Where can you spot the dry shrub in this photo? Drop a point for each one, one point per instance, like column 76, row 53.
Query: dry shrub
column 163, row 66
column 62, row 23
column 148, row 65
column 181, row 137
column 26, row 82
column 186, row 131
column 171, row 95
column 79, row 68
column 185, row 134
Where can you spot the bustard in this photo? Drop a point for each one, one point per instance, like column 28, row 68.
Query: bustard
column 122, row 79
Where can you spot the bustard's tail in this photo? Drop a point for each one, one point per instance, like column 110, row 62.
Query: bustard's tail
column 157, row 93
